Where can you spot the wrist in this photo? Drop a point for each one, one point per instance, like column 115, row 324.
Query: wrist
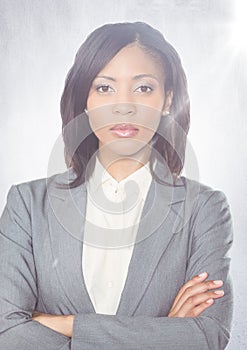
column 69, row 323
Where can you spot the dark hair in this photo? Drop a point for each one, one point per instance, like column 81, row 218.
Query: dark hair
column 97, row 50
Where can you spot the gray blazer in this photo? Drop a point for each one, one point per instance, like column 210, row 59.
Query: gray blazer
column 184, row 231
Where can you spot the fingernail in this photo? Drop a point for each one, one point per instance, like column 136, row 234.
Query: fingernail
column 204, row 274
column 210, row 301
column 218, row 282
column 220, row 292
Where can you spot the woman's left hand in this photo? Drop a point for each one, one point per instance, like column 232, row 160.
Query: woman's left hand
column 60, row 323
column 195, row 296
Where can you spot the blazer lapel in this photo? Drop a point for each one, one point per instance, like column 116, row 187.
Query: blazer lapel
column 160, row 220
column 162, row 216
column 66, row 224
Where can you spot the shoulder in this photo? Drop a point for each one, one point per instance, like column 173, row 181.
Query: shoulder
column 36, row 190
column 205, row 206
column 201, row 193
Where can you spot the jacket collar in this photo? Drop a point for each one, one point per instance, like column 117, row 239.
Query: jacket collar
column 161, row 218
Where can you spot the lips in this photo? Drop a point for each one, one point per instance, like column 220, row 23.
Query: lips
column 124, row 130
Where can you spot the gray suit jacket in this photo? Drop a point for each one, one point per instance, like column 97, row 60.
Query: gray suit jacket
column 184, row 231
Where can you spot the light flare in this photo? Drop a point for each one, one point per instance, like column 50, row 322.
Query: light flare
column 240, row 25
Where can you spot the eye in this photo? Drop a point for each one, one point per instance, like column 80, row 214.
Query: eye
column 104, row 88
column 144, row 88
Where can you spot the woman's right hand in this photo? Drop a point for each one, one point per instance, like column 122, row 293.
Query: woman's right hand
column 195, row 296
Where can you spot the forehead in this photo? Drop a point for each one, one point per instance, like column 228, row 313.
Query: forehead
column 133, row 59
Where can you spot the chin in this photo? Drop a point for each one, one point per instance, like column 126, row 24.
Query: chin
column 128, row 148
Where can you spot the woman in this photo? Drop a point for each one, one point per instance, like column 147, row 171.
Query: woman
column 120, row 251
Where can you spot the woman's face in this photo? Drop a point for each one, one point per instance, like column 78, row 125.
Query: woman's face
column 125, row 103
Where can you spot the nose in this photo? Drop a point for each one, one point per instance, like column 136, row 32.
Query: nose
column 124, row 108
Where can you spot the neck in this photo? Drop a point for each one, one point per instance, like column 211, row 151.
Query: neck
column 120, row 167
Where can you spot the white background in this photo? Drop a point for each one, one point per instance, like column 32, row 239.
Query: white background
column 38, row 42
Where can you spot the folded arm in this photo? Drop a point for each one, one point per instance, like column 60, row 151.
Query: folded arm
column 212, row 232
column 18, row 291
column 211, row 226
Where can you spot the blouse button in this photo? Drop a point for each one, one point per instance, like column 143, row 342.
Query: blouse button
column 110, row 284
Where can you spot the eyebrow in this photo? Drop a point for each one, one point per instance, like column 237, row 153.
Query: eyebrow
column 136, row 77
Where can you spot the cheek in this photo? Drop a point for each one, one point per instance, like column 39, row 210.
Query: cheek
column 148, row 119
column 103, row 135
column 101, row 117
column 92, row 100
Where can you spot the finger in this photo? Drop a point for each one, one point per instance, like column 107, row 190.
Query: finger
column 195, row 290
column 195, row 312
column 198, row 289
column 193, row 302
column 196, row 279
column 192, row 291
column 200, row 308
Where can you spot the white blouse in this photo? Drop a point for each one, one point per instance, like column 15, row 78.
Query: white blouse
column 111, row 205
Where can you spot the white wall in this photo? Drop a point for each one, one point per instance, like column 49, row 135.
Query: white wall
column 38, row 41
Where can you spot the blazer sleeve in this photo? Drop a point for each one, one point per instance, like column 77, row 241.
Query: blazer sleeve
column 212, row 237
column 211, row 229
column 18, row 291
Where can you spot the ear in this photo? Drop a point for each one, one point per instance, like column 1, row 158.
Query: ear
column 168, row 103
